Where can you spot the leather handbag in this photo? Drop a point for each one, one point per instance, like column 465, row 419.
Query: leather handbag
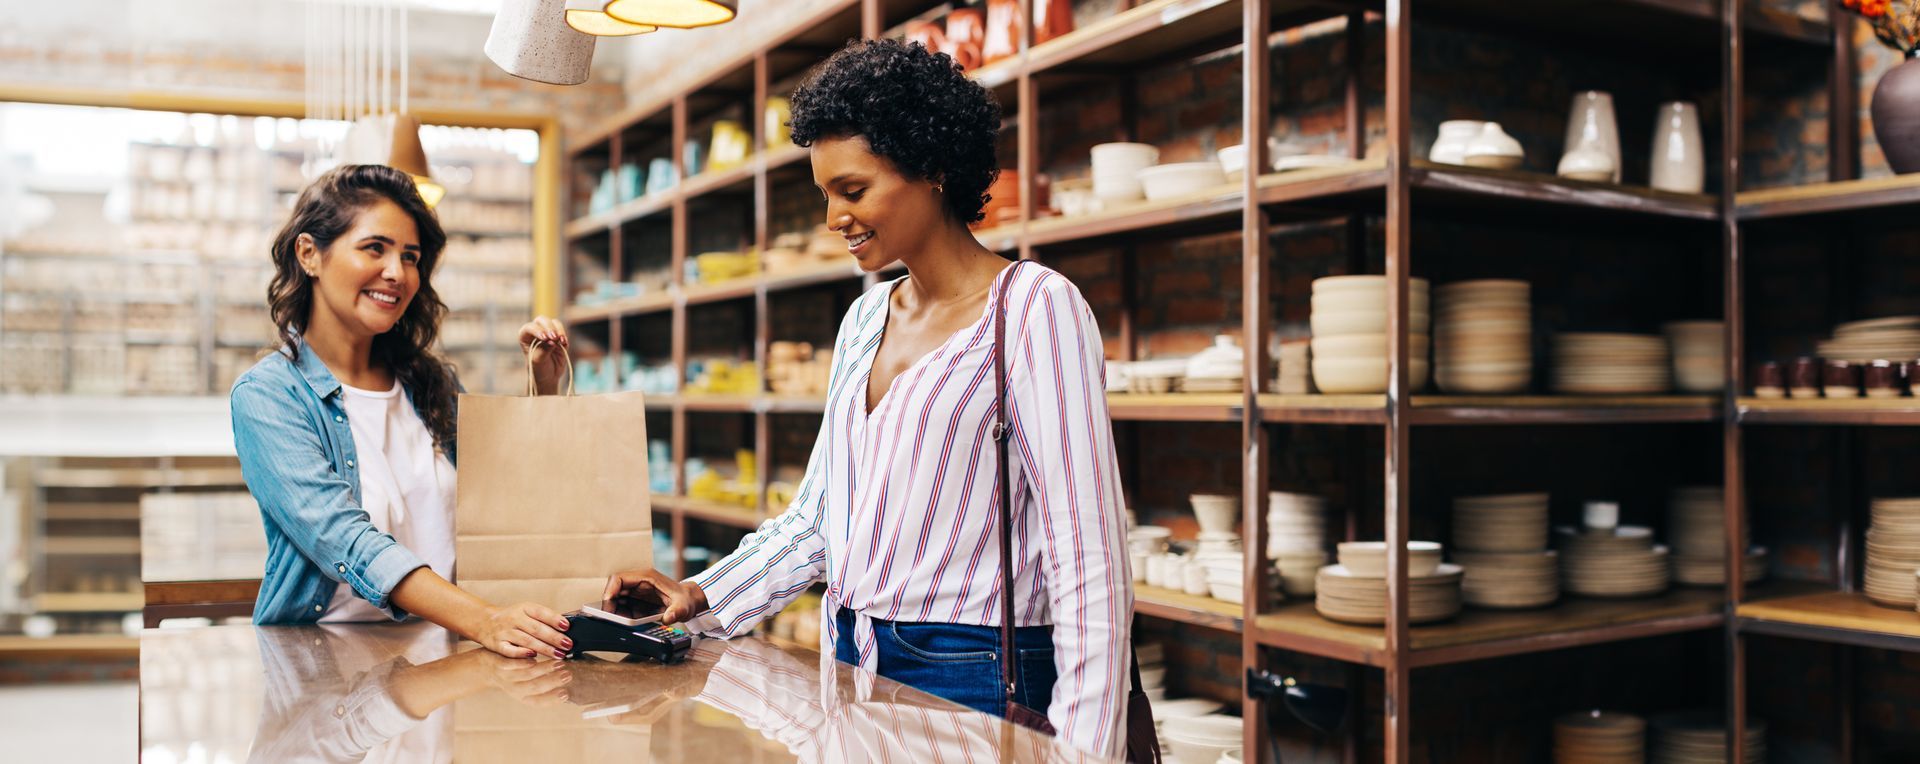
column 1143, row 745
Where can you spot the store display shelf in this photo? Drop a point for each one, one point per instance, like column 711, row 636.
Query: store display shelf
column 721, row 403
column 1187, row 608
column 1830, row 616
column 77, row 602
column 92, row 511
column 1323, row 409
column 64, row 647
column 134, row 477
column 1660, row 23
column 1176, row 407
column 1479, row 634
column 799, row 278
column 792, row 404
column 1521, row 188
column 1161, row 30
column 1563, row 409
column 785, row 155
column 1210, row 211
column 710, row 511
column 83, row 546
column 1838, row 198
column 637, row 209
column 1857, row 411
column 721, row 291
column 647, row 303
column 731, row 180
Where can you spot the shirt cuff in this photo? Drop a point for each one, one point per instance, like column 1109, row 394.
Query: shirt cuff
column 376, row 582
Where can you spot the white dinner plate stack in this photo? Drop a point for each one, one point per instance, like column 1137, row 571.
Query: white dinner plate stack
column 1349, row 319
column 1483, row 336
column 1893, row 551
column 1341, row 596
column 1896, row 338
column 1600, row 363
column 1697, row 531
column 1700, row 737
column 1599, row 737
column 1297, row 539
column 1218, row 369
column 1295, row 375
column 1699, row 355
column 1622, row 562
column 1501, row 542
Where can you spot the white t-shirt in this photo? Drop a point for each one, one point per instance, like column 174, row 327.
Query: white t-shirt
column 406, row 487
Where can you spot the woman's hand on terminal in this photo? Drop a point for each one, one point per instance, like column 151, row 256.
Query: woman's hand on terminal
column 544, row 340
column 683, row 599
column 524, row 631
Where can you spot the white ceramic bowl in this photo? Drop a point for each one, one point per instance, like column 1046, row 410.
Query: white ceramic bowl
column 1365, row 346
column 1168, row 181
column 1181, row 708
column 1362, row 375
column 1202, row 739
column 1216, row 513
column 1116, row 167
column 1234, row 593
column 1327, row 323
column 1374, row 300
column 1368, row 559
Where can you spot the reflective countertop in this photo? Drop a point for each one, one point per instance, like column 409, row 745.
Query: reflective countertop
column 411, row 693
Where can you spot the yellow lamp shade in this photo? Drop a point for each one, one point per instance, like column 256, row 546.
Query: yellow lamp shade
column 430, row 192
column 590, row 17
column 679, row 14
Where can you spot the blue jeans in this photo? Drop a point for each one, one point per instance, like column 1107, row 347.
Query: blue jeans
column 958, row 662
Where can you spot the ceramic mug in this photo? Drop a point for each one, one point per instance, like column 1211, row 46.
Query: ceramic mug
column 1803, row 379
column 1769, row 381
column 1883, row 380
column 1841, row 380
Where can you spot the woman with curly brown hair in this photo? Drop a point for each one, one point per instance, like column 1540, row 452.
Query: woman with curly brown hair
column 346, row 433
column 899, row 512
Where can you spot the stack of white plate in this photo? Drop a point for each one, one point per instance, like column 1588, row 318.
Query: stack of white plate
column 1622, row 562
column 1482, row 336
column 1202, row 739
column 1509, row 580
column 1599, row 737
column 1700, row 737
column 1893, row 552
column 1179, row 708
column 1349, row 319
column 1342, row 596
column 1896, row 338
column 1295, row 375
column 1514, row 522
column 1218, row 369
column 1699, row 355
column 1297, row 539
column 1697, row 531
column 1116, row 170
column 1156, row 376
column 1605, row 363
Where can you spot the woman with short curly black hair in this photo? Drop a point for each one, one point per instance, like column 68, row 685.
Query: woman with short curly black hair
column 899, row 510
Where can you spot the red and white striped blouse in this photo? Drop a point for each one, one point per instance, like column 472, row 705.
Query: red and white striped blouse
column 897, row 512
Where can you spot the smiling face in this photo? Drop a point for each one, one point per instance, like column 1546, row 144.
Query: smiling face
column 884, row 215
column 364, row 281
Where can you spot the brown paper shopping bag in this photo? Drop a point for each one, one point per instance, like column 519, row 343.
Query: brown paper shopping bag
column 552, row 495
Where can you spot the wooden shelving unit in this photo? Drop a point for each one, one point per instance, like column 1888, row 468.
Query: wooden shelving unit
column 1391, row 185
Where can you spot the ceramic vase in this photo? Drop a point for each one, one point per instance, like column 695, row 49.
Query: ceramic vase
column 1451, row 146
column 1051, row 18
column 1896, row 115
column 1679, row 163
column 1493, row 148
column 1591, row 119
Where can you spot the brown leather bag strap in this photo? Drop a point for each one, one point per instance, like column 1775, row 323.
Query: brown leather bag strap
column 1002, row 484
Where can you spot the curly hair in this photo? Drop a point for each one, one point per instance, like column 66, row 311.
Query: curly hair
column 326, row 211
column 915, row 108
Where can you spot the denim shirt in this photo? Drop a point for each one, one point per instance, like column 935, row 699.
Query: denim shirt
column 297, row 456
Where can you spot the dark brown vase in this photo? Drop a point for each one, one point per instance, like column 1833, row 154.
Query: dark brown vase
column 1896, row 115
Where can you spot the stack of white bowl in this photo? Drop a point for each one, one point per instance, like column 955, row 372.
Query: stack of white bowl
column 1613, row 562
column 1893, row 551
column 1700, row 737
column 1202, row 739
column 1219, row 557
column 1605, row 363
column 1699, row 356
column 1116, row 170
column 1483, row 336
column 1153, row 670
column 1501, row 542
column 1599, row 737
column 1355, row 591
column 1297, row 539
column 1697, row 531
column 1172, row 181
column 1349, row 319
column 1218, row 369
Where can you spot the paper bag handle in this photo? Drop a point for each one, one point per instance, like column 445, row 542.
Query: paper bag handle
column 563, row 354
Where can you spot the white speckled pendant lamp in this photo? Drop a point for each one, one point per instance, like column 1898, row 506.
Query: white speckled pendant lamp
column 531, row 40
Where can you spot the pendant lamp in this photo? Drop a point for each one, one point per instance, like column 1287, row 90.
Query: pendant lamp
column 532, row 40
column 392, row 140
column 679, row 14
column 590, row 17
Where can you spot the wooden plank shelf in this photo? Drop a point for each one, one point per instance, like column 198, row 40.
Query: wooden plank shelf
column 1479, row 634
column 1831, row 616
column 1323, row 409
column 70, row 647
column 1856, row 411
column 709, row 511
column 168, row 593
column 89, row 602
column 734, row 180
column 1837, row 198
column 92, row 511
column 1212, row 210
column 133, row 477
column 1176, row 407
column 657, row 302
column 722, row 291
column 631, row 211
column 1519, row 187
column 1562, row 409
column 1186, row 608
column 83, row 546
column 724, row 404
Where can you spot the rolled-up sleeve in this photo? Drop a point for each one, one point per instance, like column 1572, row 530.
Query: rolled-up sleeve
column 1065, row 442
column 286, row 468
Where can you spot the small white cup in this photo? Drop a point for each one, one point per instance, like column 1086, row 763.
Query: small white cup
column 1195, row 578
column 1601, row 515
